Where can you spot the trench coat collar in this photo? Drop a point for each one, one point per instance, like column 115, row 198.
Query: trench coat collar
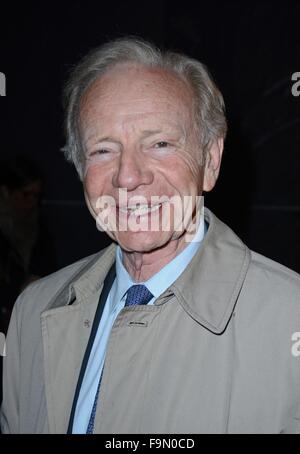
column 87, row 281
column 208, row 289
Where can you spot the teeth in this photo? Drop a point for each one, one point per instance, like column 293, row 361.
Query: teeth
column 141, row 210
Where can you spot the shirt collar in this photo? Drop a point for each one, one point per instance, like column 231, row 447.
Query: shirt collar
column 158, row 283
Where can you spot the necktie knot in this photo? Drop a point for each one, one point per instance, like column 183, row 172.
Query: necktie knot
column 138, row 294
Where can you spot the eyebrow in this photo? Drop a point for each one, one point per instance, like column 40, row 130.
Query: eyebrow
column 107, row 139
column 145, row 134
column 149, row 132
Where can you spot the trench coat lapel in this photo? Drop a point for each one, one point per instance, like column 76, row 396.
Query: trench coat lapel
column 209, row 287
column 65, row 332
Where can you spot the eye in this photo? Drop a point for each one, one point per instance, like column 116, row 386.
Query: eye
column 99, row 152
column 102, row 151
column 161, row 144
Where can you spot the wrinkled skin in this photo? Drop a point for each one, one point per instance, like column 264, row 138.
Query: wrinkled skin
column 138, row 133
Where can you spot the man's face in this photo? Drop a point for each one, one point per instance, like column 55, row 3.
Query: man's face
column 139, row 135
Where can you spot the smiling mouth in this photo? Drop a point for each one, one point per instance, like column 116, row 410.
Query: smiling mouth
column 140, row 210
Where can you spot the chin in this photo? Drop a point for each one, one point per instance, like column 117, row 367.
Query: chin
column 142, row 241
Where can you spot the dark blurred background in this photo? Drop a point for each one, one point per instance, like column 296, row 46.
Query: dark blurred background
column 251, row 48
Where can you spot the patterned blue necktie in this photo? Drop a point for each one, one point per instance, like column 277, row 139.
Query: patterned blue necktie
column 136, row 294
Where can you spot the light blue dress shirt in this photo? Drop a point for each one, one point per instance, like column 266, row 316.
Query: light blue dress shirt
column 157, row 284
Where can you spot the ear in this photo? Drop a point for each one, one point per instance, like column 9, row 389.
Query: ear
column 213, row 164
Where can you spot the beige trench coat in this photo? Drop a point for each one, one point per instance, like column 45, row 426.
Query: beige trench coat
column 213, row 355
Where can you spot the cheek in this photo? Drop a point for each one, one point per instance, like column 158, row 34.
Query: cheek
column 184, row 173
column 190, row 165
column 185, row 161
column 94, row 182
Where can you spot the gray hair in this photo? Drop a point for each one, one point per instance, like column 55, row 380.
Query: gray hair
column 209, row 103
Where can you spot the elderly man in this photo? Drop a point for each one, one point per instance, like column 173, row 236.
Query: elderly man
column 179, row 327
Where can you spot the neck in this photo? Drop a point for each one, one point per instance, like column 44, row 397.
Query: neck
column 141, row 266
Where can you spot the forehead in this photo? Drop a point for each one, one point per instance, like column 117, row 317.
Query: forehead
column 137, row 92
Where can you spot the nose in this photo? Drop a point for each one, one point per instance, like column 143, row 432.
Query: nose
column 132, row 171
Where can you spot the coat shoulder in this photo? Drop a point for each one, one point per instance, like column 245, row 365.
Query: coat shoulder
column 277, row 282
column 278, row 271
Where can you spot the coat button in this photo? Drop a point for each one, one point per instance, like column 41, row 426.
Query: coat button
column 87, row 323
